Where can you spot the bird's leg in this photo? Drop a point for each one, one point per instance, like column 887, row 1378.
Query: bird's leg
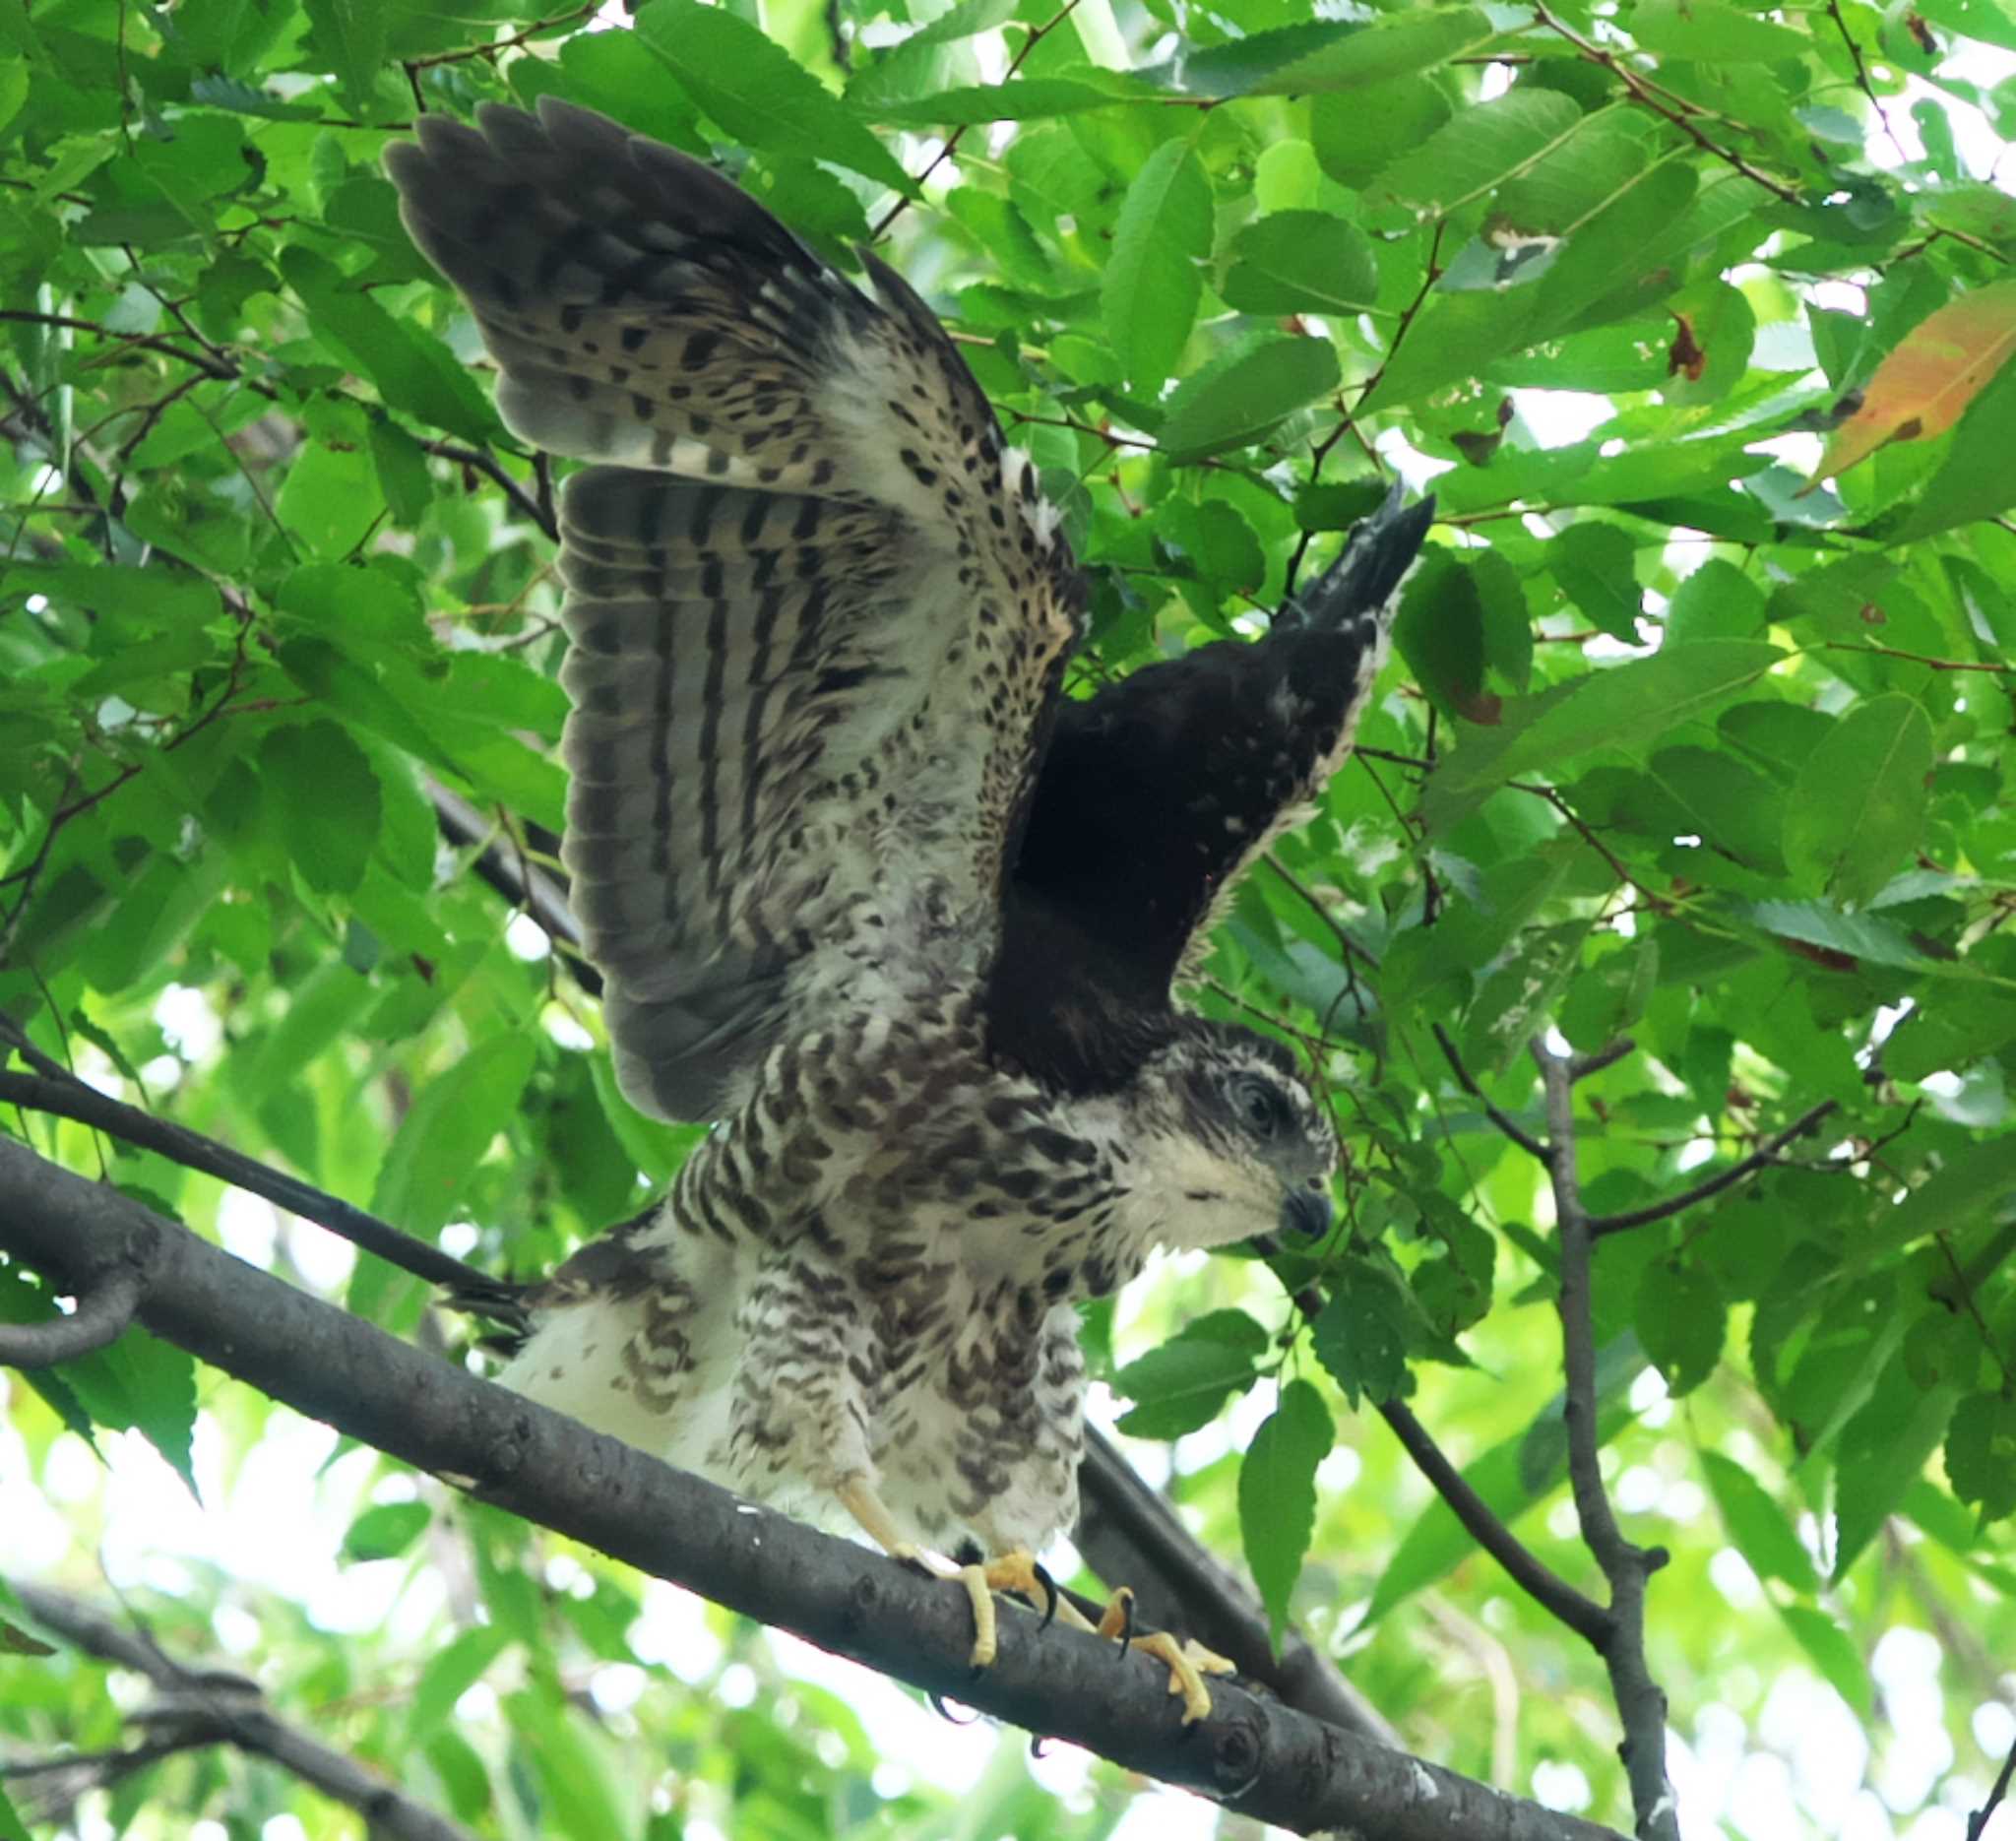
column 858, row 1496
column 1187, row 1662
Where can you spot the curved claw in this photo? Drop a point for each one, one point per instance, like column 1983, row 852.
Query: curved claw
column 1051, row 1596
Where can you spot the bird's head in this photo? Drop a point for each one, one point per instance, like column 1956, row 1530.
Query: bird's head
column 1241, row 1146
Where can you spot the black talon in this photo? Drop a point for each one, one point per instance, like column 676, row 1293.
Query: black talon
column 1037, row 1743
column 943, row 1710
column 1049, row 1585
column 1126, row 1621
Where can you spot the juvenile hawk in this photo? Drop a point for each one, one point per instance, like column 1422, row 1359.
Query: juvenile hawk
column 862, row 884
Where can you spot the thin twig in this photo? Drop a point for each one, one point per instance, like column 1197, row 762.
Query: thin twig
column 63, row 1096
column 1861, row 80
column 1978, row 1820
column 1916, row 658
column 1545, row 1587
column 220, row 1706
column 1504, row 1120
column 1640, row 1704
column 1644, row 92
column 1767, row 1153
column 492, row 469
column 1035, row 38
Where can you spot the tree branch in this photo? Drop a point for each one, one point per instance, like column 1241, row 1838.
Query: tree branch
column 101, row 1314
column 1641, row 1705
column 1600, row 1225
column 1545, row 1587
column 219, row 1706
column 66, row 1096
column 1504, row 1120
column 1258, row 1757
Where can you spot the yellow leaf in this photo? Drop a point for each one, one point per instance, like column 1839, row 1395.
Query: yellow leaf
column 1921, row 389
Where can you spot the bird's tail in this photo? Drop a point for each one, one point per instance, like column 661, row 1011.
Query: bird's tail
column 1365, row 578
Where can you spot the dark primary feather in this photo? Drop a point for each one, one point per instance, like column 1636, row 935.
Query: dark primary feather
column 1157, row 792
column 819, row 614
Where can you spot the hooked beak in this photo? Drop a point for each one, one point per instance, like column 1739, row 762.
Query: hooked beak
column 1307, row 1212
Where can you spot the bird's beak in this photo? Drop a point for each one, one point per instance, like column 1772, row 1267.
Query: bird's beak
column 1307, row 1212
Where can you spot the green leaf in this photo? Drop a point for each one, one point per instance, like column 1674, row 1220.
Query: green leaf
column 1709, row 31
column 1239, row 400
column 1627, row 707
column 1717, row 602
column 447, row 1130
column 329, row 500
column 413, row 374
column 1355, row 133
column 324, row 802
column 387, row 1531
column 1148, row 297
column 1761, row 1530
column 1301, row 262
column 1883, row 1456
column 1857, row 811
column 12, row 1827
column 1831, row 1650
column 142, row 1385
column 755, row 89
column 1185, row 1383
column 1477, row 150
column 1594, row 564
column 351, row 35
column 1980, row 1453
column 1360, row 1334
column 453, row 1669
column 1278, row 1494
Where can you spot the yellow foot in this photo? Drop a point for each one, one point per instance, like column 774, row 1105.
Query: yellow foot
column 1188, row 1663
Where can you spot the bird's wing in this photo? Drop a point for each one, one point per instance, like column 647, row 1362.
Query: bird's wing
column 1159, row 792
column 819, row 612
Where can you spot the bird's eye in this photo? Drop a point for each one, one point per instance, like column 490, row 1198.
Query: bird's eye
column 1261, row 1106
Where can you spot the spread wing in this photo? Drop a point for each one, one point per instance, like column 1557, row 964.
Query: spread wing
column 1156, row 795
column 819, row 612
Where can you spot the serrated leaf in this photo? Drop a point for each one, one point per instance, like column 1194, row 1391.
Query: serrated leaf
column 141, row 1383
column 1858, row 810
column 1594, row 563
column 1921, row 389
column 1360, row 1334
column 1760, row 1530
column 446, row 1131
column 1185, row 1383
column 1148, row 297
column 413, row 374
column 1883, row 1456
column 1481, row 147
column 1709, row 31
column 1626, row 706
column 386, row 1531
column 326, row 801
column 762, row 96
column 1301, row 262
column 1278, row 1494
column 1238, row 401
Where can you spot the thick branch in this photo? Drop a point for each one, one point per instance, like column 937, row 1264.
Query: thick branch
column 1600, row 1225
column 1641, row 1705
column 206, row 1706
column 1260, row 1758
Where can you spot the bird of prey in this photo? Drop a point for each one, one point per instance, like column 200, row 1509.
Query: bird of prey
column 864, row 886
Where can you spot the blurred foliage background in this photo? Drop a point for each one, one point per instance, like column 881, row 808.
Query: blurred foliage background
column 1678, row 746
